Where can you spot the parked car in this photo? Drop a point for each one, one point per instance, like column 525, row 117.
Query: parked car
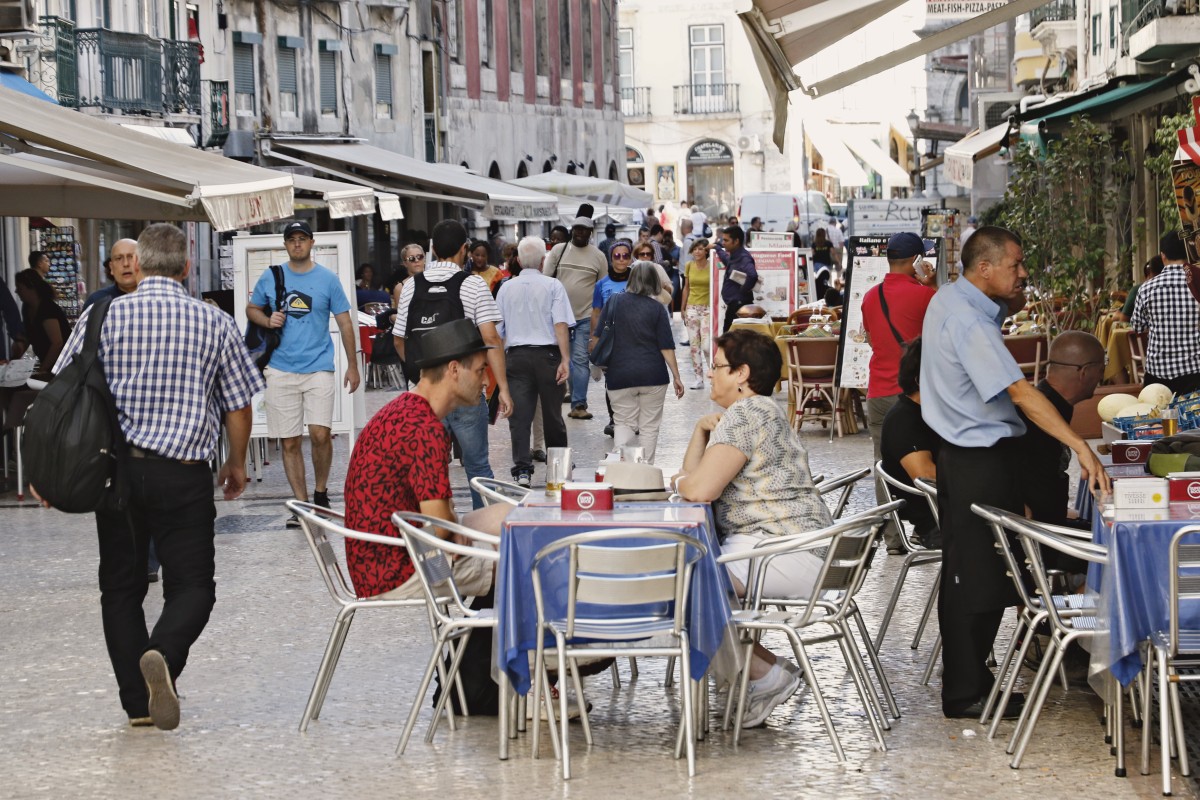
column 777, row 209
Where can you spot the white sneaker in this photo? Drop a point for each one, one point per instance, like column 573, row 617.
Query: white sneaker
column 698, row 384
column 762, row 700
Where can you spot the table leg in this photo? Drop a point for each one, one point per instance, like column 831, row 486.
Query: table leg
column 505, row 691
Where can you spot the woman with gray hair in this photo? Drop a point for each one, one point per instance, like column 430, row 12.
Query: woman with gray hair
column 643, row 352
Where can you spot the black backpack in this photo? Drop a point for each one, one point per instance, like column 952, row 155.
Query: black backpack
column 432, row 304
column 73, row 443
column 260, row 341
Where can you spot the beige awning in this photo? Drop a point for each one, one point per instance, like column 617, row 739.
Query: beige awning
column 874, row 156
column 834, row 154
column 598, row 190
column 341, row 199
column 962, row 155
column 784, row 33
column 391, row 172
column 68, row 164
column 173, row 135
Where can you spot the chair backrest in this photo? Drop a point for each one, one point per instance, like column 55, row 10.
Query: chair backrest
column 1185, row 580
column 814, row 357
column 846, row 483
column 1137, row 355
column 897, row 490
column 318, row 524
column 929, row 488
column 497, row 491
column 1029, row 350
column 620, row 567
column 851, row 543
column 429, row 555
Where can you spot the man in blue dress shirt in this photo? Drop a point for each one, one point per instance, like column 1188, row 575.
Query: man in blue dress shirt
column 971, row 388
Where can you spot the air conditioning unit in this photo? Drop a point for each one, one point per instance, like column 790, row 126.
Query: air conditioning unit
column 990, row 107
column 750, row 144
column 17, row 18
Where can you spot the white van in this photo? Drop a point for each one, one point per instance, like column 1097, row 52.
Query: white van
column 777, row 209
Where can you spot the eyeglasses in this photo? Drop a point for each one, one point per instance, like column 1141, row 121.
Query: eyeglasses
column 1081, row 367
column 414, row 259
column 722, row 366
column 621, row 257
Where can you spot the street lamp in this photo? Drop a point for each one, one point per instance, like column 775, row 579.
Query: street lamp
column 913, row 119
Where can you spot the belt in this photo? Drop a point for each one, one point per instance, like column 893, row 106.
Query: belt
column 137, row 452
column 534, row 347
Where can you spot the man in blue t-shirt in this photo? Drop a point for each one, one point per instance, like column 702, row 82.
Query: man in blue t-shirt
column 300, row 375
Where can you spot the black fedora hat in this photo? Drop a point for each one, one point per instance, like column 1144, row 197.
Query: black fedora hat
column 450, row 342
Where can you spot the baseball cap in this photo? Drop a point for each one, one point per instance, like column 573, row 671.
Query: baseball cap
column 297, row 226
column 583, row 222
column 906, row 245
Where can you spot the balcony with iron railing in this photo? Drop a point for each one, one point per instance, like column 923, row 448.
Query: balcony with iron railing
column 635, row 101
column 130, row 73
column 707, row 98
column 1058, row 11
column 214, row 121
column 1160, row 29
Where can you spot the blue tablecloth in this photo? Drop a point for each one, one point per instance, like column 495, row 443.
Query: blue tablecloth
column 1134, row 588
column 528, row 529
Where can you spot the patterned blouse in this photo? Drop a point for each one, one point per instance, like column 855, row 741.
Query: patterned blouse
column 773, row 494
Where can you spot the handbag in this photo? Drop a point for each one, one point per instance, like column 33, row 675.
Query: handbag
column 601, row 354
column 260, row 341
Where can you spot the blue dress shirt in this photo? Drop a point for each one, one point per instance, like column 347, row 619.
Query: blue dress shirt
column 531, row 304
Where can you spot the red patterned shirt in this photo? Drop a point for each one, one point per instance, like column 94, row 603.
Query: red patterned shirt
column 399, row 461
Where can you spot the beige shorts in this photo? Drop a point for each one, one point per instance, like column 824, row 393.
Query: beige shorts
column 472, row 576
column 293, row 399
column 793, row 575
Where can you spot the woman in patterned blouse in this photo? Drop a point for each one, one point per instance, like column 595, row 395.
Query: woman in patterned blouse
column 753, row 468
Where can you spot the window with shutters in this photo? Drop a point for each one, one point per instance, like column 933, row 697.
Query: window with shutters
column 327, row 66
column 585, row 36
column 516, row 47
column 541, row 37
column 383, row 86
column 487, row 36
column 564, row 33
column 243, row 80
column 288, row 93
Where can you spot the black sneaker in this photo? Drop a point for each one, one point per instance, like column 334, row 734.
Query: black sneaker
column 321, row 498
column 524, row 479
column 292, row 522
column 152, row 577
column 538, row 455
column 608, row 430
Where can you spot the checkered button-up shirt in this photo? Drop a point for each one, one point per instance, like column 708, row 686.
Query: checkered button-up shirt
column 174, row 365
column 1166, row 307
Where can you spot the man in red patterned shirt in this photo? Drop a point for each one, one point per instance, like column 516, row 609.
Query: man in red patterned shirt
column 400, row 463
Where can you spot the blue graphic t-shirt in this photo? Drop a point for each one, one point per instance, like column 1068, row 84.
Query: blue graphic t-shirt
column 309, row 298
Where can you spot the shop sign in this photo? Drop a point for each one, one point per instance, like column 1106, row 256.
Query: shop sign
column 711, row 152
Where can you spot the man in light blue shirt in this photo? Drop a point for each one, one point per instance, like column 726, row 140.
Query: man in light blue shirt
column 971, row 388
column 536, row 318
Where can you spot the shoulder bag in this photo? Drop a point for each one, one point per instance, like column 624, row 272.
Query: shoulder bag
column 601, row 354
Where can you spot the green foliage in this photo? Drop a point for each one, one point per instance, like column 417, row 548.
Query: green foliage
column 1071, row 209
column 994, row 214
column 1159, row 167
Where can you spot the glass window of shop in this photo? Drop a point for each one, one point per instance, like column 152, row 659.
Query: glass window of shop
column 710, row 183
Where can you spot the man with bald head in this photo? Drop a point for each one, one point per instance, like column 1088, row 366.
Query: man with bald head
column 123, row 269
column 1074, row 369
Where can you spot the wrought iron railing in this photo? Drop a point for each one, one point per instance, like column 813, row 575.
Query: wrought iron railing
column 1058, row 11
column 707, row 98
column 56, row 70
column 431, row 141
column 1137, row 14
column 214, row 121
column 635, row 101
column 136, row 74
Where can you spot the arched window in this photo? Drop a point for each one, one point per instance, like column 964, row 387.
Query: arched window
column 613, row 174
column 547, row 166
column 494, row 171
column 592, row 172
column 523, row 169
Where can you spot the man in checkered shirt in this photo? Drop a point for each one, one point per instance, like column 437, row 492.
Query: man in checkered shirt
column 177, row 368
column 1166, row 307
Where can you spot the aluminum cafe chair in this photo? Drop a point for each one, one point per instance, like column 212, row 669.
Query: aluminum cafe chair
column 848, row 544
column 916, row 556
column 453, row 620
column 319, row 524
column 845, row 482
column 1168, row 651
column 1071, row 618
column 623, row 570
column 496, row 491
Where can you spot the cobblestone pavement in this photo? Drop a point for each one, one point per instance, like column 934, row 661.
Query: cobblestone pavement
column 62, row 731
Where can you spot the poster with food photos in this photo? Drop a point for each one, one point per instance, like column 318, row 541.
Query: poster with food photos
column 1186, row 177
column 775, row 291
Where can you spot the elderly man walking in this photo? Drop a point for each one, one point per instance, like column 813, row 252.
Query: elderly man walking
column 536, row 316
column 170, row 408
column 971, row 389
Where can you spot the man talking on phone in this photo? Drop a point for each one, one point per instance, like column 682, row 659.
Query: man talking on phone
column 893, row 312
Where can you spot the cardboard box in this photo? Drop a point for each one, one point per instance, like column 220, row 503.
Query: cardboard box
column 1127, row 451
column 1140, row 493
column 1140, row 514
column 1185, row 487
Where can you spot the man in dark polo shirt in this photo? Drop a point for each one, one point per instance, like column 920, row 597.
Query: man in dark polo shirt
column 910, row 447
column 892, row 315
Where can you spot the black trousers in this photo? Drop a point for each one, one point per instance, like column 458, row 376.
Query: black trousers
column 730, row 315
column 1183, row 384
column 171, row 504
column 531, row 376
column 975, row 587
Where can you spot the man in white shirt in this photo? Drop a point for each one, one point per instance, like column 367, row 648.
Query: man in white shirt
column 699, row 220
column 536, row 318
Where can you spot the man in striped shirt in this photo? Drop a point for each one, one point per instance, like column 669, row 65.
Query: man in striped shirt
column 432, row 299
column 177, row 368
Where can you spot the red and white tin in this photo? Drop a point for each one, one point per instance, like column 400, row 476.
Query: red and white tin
column 587, row 497
column 1125, row 451
column 1184, row 487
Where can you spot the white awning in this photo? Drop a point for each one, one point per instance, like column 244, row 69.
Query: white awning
column 389, row 206
column 173, row 135
column 783, row 33
column 835, row 155
column 341, row 199
column 959, row 165
column 391, row 172
column 598, row 190
column 873, row 155
column 68, row 164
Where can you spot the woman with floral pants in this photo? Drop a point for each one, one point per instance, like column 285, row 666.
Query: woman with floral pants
column 696, row 312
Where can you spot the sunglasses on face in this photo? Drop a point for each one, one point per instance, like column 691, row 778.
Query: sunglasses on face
column 621, row 256
column 414, row 259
